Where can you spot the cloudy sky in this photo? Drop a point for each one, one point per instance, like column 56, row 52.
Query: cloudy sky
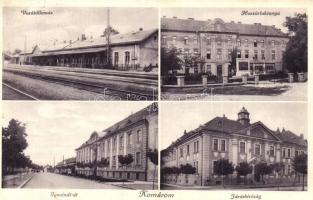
column 232, row 14
column 70, row 23
column 179, row 116
column 55, row 129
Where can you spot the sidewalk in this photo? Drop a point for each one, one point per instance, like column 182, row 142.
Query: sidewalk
column 16, row 180
column 136, row 185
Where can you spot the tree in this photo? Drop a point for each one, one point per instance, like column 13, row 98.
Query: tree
column 170, row 60
column 104, row 162
column 262, row 169
column 125, row 160
column 187, row 169
column 243, row 169
column 295, row 57
column 17, row 51
column 153, row 156
column 223, row 167
column 300, row 165
column 109, row 30
column 193, row 60
column 13, row 144
column 232, row 66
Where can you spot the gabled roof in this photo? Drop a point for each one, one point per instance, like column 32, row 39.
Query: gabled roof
column 290, row 137
column 117, row 39
column 137, row 116
column 224, row 124
column 218, row 25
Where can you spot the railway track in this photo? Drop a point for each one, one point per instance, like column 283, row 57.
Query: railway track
column 102, row 91
column 18, row 93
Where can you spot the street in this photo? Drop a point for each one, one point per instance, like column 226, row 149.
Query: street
column 51, row 180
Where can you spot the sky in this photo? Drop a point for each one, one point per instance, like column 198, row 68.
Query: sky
column 233, row 14
column 69, row 23
column 175, row 117
column 56, row 129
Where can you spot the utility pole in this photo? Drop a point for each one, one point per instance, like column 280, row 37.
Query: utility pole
column 108, row 38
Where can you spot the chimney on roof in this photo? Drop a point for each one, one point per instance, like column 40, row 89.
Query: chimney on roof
column 273, row 26
column 224, row 116
column 239, row 22
column 283, row 130
column 185, row 132
column 174, row 17
column 301, row 136
column 140, row 29
column 190, row 18
column 70, row 41
column 164, row 16
column 278, row 131
column 232, row 22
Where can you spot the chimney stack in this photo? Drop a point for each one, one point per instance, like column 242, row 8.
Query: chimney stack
column 83, row 37
column 140, row 29
column 301, row 136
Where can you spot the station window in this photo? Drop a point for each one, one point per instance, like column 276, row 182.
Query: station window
column 242, row 147
column 208, row 54
column 255, row 43
column 127, row 58
column 215, row 144
column 257, row 149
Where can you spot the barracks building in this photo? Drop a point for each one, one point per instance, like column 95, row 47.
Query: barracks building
column 235, row 140
column 134, row 135
column 259, row 48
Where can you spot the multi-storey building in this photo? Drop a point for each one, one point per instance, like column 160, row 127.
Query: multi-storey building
column 135, row 135
column 259, row 48
column 235, row 140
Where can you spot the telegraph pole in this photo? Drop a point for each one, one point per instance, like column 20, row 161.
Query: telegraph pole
column 108, row 38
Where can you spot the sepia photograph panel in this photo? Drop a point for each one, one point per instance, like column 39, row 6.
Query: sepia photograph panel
column 109, row 145
column 246, row 54
column 234, row 146
column 80, row 53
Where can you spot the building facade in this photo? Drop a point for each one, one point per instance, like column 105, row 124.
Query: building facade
column 134, row 51
column 235, row 140
column 258, row 48
column 134, row 135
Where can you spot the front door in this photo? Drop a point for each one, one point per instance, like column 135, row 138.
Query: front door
column 219, row 73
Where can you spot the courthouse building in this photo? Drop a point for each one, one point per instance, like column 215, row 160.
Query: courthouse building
column 259, row 48
column 135, row 50
column 134, row 135
column 235, row 140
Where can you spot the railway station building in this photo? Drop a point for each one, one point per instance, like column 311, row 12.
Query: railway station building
column 259, row 48
column 130, row 51
column 237, row 141
column 134, row 135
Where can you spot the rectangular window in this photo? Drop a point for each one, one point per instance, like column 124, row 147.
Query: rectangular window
column 263, row 54
column 163, row 39
column 127, row 58
column 121, row 142
column 255, row 57
column 288, row 153
column 273, row 43
column 208, row 41
column 273, row 55
column 229, row 41
column 255, row 43
column 209, row 69
column 229, row 54
column 242, row 147
column 129, row 142
column 246, row 53
column 185, row 40
column 257, row 149
column 223, row 145
column 219, row 42
column 113, row 161
column 208, row 54
column 238, row 53
column 219, row 54
column 296, row 153
column 272, row 151
column 187, row 150
column 139, row 136
column 215, row 144
column 114, row 143
column 238, row 42
column 284, row 152
column 115, row 58
column 174, row 40
column 138, row 158
column 262, row 43
column 246, row 43
column 181, row 151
